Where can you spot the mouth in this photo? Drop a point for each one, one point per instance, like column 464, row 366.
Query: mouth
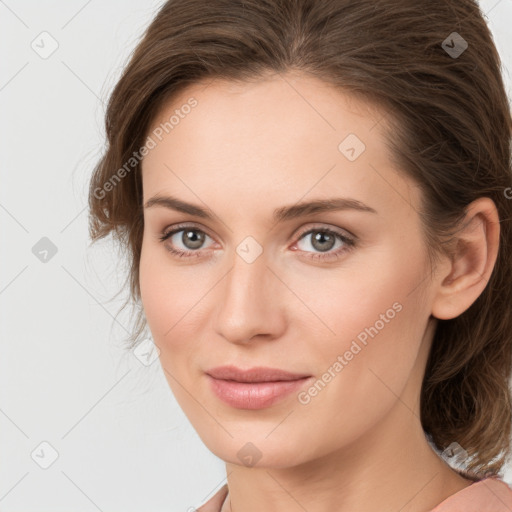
column 255, row 388
column 256, row 374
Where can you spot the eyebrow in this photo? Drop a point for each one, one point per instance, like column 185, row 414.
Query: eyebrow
column 281, row 214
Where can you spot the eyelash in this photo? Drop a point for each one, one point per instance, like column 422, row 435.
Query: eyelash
column 350, row 243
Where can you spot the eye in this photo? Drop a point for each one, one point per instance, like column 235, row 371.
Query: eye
column 192, row 239
column 324, row 240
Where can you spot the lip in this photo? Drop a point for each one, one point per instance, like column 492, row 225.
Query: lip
column 255, row 388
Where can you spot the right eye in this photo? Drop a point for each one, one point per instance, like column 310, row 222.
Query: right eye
column 191, row 238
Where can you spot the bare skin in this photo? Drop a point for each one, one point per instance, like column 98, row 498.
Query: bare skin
column 242, row 152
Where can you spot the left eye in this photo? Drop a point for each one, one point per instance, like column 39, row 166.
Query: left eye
column 324, row 240
column 192, row 239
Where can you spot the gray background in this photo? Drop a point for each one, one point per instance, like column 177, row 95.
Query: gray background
column 122, row 441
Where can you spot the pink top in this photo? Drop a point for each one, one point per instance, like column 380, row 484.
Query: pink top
column 490, row 494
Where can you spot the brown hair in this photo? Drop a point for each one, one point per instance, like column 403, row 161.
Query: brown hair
column 450, row 131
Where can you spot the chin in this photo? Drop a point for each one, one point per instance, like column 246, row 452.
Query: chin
column 250, row 450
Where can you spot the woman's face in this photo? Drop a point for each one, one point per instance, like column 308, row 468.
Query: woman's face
column 339, row 295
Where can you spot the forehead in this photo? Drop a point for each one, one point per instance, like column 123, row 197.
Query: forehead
column 286, row 136
column 301, row 104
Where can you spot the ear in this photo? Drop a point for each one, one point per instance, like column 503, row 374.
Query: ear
column 466, row 272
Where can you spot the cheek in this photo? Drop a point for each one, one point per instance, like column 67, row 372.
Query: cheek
column 154, row 289
column 173, row 300
column 376, row 319
column 365, row 293
column 161, row 292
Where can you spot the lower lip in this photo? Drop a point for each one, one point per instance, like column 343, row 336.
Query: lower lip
column 254, row 395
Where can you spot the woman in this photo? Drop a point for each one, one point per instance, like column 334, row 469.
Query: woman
column 245, row 135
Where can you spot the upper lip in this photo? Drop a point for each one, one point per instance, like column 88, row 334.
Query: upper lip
column 256, row 374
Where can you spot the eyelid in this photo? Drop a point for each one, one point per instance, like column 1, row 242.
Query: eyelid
column 327, row 227
column 318, row 225
column 184, row 225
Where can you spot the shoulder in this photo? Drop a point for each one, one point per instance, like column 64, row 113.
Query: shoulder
column 490, row 494
column 214, row 504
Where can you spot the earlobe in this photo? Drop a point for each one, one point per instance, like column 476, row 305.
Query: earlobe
column 472, row 261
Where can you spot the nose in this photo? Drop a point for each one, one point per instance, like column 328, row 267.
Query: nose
column 250, row 301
